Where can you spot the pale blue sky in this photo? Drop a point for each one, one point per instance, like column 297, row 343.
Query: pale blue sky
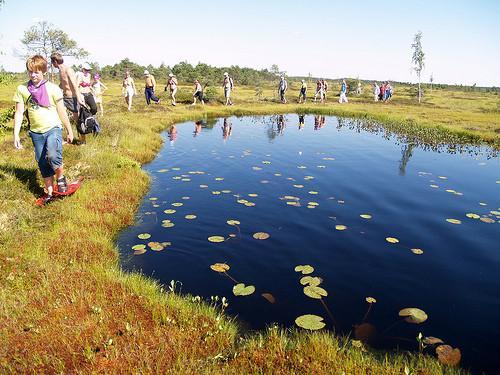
column 369, row 39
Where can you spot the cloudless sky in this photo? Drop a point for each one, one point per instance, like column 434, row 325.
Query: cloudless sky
column 369, row 39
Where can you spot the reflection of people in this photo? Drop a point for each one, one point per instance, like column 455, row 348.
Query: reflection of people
column 316, row 122
column 46, row 113
column 172, row 134
column 227, row 129
column 301, row 122
column 128, row 89
column 197, row 128
column 149, row 88
column 302, row 93
column 280, row 121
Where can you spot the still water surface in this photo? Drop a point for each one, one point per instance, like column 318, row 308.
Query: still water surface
column 346, row 168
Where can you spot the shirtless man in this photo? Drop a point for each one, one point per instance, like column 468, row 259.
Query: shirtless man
column 71, row 95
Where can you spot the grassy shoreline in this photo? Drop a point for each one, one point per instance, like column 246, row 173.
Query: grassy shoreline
column 65, row 305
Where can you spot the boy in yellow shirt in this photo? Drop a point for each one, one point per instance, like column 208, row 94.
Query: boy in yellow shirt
column 46, row 115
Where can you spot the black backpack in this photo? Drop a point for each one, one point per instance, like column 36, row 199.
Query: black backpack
column 86, row 122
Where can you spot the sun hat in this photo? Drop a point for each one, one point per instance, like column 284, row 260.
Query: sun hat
column 146, row 72
column 86, row 66
column 226, row 74
column 170, row 75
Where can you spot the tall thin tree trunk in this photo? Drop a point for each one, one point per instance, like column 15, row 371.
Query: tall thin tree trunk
column 419, row 91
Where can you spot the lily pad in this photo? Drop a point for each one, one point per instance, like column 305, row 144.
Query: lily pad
column 144, row 236
column 261, row 236
column 304, row 269
column 311, row 280
column 139, row 251
column 370, row 300
column 170, row 211
column 454, row 221
column 220, row 267
column 340, row 227
column 413, row 315
column 448, row 355
column 243, row 290
column 216, row 239
column 138, row 247
column 316, row 292
column 168, row 225
column 233, row 222
column 203, row 186
column 472, row 216
column 177, row 204
column 391, row 239
column 417, row 251
column 309, row 321
column 365, row 216
column 190, row 217
column 487, row 220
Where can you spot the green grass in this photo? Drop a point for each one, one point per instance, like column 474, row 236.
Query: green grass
column 65, row 305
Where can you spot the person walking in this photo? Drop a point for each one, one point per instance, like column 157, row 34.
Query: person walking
column 72, row 97
column 319, row 91
column 128, row 89
column 83, row 81
column 227, row 85
column 172, row 84
column 303, row 92
column 343, row 92
column 149, row 88
column 46, row 115
column 98, row 87
column 376, row 91
column 282, row 87
column 325, row 88
column 198, row 92
column 388, row 92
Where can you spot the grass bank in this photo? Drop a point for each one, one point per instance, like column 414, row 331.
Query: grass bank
column 65, row 305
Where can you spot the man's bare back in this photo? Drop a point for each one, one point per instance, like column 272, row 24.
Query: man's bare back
column 68, row 81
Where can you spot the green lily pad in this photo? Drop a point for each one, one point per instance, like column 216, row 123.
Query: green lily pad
column 138, row 247
column 243, row 290
column 144, row 236
column 309, row 321
column 413, row 315
column 304, row 269
column 216, row 239
column 311, row 280
column 315, row 292
column 233, row 222
column 220, row 267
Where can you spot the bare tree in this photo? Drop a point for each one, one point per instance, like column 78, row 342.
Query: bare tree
column 431, row 79
column 418, row 59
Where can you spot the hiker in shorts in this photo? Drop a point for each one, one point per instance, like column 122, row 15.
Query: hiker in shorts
column 46, row 115
column 388, row 92
column 198, row 92
column 376, row 91
column 83, row 81
column 227, row 85
column 343, row 92
column 128, row 89
column 149, row 88
column 303, row 91
column 282, row 87
column 172, row 84
column 71, row 95
column 325, row 88
column 98, row 88
column 319, row 91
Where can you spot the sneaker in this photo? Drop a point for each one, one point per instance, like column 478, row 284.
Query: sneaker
column 47, row 199
column 62, row 185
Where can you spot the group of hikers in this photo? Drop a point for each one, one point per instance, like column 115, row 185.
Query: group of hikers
column 45, row 105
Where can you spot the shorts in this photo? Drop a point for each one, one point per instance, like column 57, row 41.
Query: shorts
column 71, row 104
column 98, row 98
column 199, row 95
column 48, row 150
column 227, row 92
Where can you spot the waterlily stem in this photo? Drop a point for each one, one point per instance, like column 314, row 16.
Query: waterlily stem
column 328, row 312
column 391, row 326
column 232, row 278
column 367, row 312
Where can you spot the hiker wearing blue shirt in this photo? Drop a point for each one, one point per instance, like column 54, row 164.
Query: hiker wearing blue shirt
column 343, row 92
column 282, row 87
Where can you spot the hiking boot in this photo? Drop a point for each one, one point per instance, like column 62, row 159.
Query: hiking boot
column 62, row 185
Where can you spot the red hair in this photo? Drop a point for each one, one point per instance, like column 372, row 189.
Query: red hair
column 36, row 63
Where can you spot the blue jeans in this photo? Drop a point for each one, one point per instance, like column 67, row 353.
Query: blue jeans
column 48, row 150
column 150, row 95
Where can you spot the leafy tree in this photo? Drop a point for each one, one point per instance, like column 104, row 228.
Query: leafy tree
column 418, row 59
column 44, row 39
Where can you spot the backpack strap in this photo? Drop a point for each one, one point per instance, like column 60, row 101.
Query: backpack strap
column 26, row 111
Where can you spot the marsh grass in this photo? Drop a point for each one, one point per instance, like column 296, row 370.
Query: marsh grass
column 65, row 305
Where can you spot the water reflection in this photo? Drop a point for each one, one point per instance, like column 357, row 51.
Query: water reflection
column 227, row 129
column 406, row 154
column 172, row 134
column 197, row 128
column 301, row 122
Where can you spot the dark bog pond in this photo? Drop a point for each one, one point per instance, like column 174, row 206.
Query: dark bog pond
column 374, row 214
